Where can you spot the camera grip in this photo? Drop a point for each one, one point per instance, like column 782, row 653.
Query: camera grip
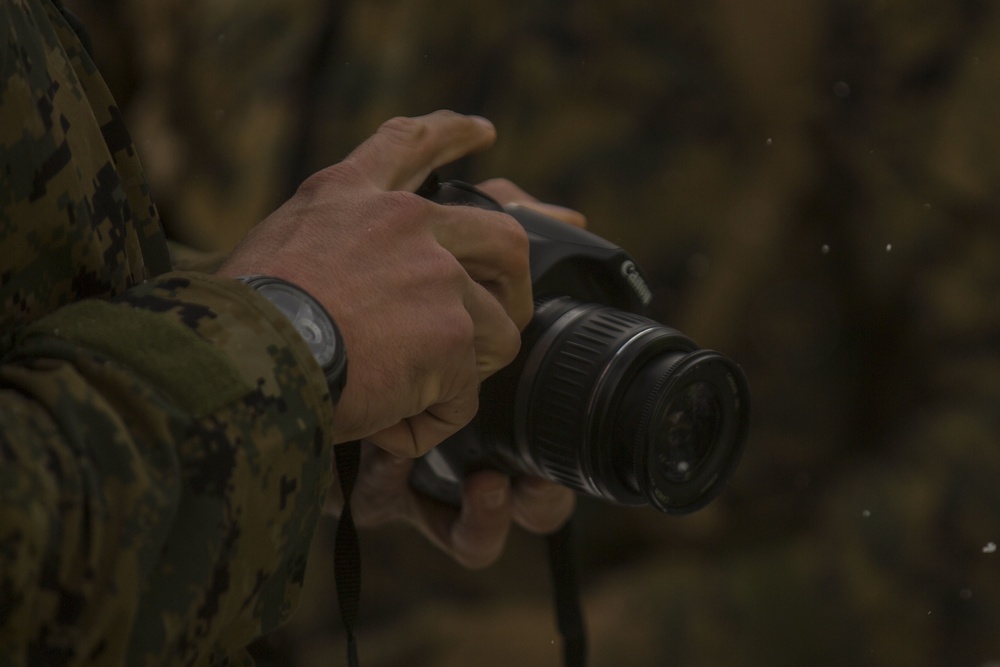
column 431, row 477
column 439, row 473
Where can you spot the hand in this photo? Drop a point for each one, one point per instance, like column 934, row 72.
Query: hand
column 473, row 535
column 430, row 299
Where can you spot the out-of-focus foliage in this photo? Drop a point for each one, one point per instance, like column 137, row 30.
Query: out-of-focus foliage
column 814, row 188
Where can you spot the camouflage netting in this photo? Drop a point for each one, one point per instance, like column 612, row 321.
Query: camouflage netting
column 814, row 189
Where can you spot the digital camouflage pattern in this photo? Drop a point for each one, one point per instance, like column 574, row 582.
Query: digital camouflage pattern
column 814, row 187
column 164, row 436
column 215, row 93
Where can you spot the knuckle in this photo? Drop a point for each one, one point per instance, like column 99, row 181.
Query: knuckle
column 521, row 317
column 510, row 342
column 460, row 330
column 406, row 131
column 517, row 240
column 409, row 216
column 498, row 347
column 507, row 242
column 516, row 233
column 518, row 267
column 337, row 175
column 450, row 268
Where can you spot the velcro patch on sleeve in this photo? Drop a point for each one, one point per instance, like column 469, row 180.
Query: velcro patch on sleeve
column 195, row 374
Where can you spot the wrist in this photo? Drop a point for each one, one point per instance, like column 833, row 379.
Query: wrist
column 312, row 322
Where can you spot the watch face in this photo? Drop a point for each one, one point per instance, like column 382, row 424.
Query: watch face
column 307, row 317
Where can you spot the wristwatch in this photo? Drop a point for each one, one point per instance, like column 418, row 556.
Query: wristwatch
column 312, row 322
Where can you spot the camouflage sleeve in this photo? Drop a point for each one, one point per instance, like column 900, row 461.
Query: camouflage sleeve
column 162, row 462
column 164, row 442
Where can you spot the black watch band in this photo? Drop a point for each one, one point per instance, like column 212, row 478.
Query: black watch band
column 312, row 322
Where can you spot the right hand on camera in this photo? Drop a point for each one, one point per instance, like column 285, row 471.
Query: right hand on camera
column 430, row 299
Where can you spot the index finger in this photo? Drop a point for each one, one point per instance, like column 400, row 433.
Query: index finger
column 404, row 151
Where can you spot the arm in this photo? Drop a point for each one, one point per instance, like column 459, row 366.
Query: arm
column 148, row 441
column 161, row 473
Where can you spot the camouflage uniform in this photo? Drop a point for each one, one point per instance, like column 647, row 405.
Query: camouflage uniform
column 163, row 435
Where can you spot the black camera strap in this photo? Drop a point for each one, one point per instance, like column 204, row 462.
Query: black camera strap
column 566, row 593
column 347, row 570
column 346, row 551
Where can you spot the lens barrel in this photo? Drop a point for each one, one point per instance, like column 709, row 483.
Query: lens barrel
column 619, row 406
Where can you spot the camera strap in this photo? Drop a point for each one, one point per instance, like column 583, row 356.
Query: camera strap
column 346, row 551
column 566, row 594
column 347, row 570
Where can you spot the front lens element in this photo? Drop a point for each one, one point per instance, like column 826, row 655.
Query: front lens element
column 692, row 430
column 618, row 406
column 686, row 431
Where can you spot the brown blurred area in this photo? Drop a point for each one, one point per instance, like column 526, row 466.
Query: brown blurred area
column 814, row 189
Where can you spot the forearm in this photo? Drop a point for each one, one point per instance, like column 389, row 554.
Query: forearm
column 147, row 446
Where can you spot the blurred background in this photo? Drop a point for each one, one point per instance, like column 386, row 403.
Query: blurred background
column 812, row 187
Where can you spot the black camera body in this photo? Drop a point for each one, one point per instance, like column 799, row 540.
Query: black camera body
column 600, row 398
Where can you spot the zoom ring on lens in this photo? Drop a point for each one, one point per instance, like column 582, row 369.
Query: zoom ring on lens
column 560, row 407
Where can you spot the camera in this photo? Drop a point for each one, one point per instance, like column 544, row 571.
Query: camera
column 600, row 398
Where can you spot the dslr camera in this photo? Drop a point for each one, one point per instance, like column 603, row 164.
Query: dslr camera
column 601, row 398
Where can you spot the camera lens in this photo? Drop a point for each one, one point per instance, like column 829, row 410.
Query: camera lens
column 686, row 431
column 682, row 425
column 624, row 408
